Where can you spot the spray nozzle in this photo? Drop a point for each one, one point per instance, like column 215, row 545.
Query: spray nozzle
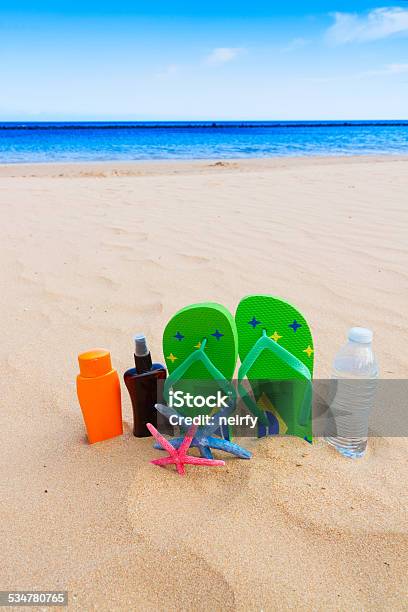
column 141, row 349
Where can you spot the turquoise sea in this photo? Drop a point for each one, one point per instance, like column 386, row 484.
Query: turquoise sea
column 104, row 141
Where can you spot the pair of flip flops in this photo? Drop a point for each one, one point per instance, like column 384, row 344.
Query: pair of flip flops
column 201, row 343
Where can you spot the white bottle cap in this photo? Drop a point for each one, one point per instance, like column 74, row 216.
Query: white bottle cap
column 360, row 334
column 140, row 345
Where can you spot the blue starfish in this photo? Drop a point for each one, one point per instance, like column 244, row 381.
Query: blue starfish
column 203, row 439
column 205, row 444
column 179, row 336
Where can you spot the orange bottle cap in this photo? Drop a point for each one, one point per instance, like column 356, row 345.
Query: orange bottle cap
column 94, row 363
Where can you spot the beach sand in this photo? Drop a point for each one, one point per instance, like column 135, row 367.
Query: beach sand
column 93, row 253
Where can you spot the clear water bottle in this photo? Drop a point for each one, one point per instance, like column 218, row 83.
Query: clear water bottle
column 355, row 371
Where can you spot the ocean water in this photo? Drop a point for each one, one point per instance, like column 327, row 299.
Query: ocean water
column 64, row 142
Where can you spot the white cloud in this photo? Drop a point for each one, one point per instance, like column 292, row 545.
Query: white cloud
column 222, row 55
column 378, row 23
column 388, row 70
column 169, row 71
column 295, row 44
column 397, row 68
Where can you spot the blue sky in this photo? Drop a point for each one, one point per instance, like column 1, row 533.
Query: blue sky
column 158, row 60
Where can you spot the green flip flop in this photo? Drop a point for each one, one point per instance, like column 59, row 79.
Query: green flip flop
column 276, row 352
column 200, row 343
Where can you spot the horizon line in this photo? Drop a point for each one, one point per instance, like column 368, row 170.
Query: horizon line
column 194, row 123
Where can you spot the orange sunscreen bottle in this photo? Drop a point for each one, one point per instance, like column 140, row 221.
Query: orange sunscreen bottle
column 98, row 391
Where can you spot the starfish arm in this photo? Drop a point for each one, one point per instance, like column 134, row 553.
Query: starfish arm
column 163, row 461
column 205, row 451
column 176, row 443
column 180, row 469
column 164, row 443
column 185, row 445
column 201, row 461
column 229, row 447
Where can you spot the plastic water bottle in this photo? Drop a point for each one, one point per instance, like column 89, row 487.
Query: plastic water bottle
column 355, row 370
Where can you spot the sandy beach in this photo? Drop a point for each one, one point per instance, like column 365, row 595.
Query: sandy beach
column 91, row 254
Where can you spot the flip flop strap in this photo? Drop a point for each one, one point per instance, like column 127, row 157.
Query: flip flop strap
column 194, row 357
column 266, row 343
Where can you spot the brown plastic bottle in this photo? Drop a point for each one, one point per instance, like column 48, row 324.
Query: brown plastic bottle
column 143, row 384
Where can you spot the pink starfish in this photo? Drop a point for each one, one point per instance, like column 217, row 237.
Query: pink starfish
column 179, row 456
